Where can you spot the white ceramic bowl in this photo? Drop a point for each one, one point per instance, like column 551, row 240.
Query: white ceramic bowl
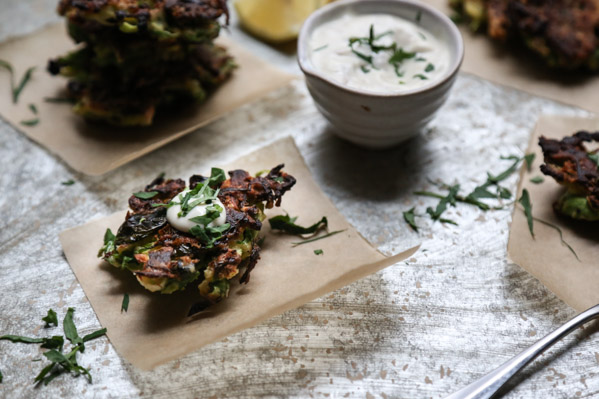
column 380, row 120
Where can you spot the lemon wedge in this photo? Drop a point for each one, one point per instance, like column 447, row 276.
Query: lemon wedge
column 275, row 20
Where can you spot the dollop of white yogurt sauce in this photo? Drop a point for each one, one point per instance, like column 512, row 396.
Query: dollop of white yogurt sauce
column 332, row 55
column 183, row 223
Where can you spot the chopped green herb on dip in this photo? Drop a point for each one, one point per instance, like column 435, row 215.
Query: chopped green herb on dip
column 370, row 51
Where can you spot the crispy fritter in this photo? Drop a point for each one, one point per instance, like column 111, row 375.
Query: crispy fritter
column 141, row 55
column 570, row 164
column 163, row 18
column 124, row 88
column 562, row 32
column 165, row 259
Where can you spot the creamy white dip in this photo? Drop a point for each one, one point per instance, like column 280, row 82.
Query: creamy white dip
column 183, row 223
column 400, row 55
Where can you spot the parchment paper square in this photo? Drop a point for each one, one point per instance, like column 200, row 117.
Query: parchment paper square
column 545, row 257
column 155, row 329
column 95, row 149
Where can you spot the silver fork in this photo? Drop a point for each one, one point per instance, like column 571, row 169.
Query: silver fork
column 489, row 384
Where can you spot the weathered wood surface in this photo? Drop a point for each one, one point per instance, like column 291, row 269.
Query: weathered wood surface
column 419, row 329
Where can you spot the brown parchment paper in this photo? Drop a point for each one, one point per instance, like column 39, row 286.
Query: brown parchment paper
column 97, row 149
column 156, row 329
column 507, row 66
column 575, row 282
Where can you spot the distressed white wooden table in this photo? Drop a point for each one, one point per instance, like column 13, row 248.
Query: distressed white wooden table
column 419, row 329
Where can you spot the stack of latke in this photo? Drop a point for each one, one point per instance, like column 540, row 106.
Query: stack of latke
column 138, row 56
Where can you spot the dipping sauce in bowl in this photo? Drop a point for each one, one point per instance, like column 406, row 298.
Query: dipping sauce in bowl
column 379, row 70
column 377, row 53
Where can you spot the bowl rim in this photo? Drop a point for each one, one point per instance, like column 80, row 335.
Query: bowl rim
column 302, row 40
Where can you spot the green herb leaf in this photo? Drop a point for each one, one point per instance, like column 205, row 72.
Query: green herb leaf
column 318, row 252
column 399, row 56
column 561, row 235
column 69, row 182
column 481, row 192
column 21, row 339
column 537, row 180
column 287, row 224
column 146, row 194
column 504, row 193
column 30, row 122
column 364, row 69
column 217, row 177
column 420, row 76
column 109, row 243
column 50, row 319
column 70, row 331
column 6, row 65
column 44, row 372
column 320, row 48
column 33, row 108
column 442, row 205
column 1, row 377
column 95, row 334
column 409, row 217
column 212, row 213
column 429, row 68
column 125, row 304
column 295, row 244
column 367, row 58
column 55, row 342
column 525, row 202
column 529, row 159
column 24, row 80
column 448, row 221
column 208, row 235
column 503, row 175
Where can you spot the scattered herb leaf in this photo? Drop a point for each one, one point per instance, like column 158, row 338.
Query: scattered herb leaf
column 69, row 182
column 24, row 80
column 429, row 68
column 295, row 244
column 561, row 235
column 320, row 48
column 22, row 340
column 409, row 217
column 33, row 108
column 125, row 304
column 1, row 376
column 537, row 180
column 529, row 159
column 30, row 122
column 318, row 252
column 450, row 199
column 287, row 224
column 59, row 361
column 420, row 76
column 94, row 335
column 146, row 194
column 364, row 69
column 70, row 331
column 525, row 202
column 50, row 319
column 442, row 220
